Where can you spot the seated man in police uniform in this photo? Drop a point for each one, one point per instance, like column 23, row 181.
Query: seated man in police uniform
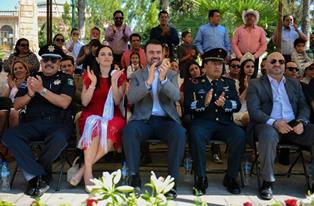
column 47, row 96
column 211, row 99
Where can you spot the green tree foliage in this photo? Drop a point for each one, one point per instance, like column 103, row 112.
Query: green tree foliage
column 66, row 16
column 231, row 13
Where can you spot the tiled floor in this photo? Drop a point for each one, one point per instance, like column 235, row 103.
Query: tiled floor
column 293, row 187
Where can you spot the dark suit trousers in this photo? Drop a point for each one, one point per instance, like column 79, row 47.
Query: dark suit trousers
column 165, row 129
column 202, row 131
column 55, row 136
column 268, row 138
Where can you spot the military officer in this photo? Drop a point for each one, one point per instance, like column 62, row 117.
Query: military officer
column 211, row 99
column 46, row 96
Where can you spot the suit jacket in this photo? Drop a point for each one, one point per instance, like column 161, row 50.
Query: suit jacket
column 142, row 99
column 260, row 101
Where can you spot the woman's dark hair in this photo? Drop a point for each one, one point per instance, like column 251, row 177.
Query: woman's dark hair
column 59, row 34
column 188, row 75
column 94, row 43
column 242, row 75
column 96, row 67
column 16, row 48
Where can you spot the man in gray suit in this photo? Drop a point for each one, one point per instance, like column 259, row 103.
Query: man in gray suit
column 153, row 91
column 279, row 112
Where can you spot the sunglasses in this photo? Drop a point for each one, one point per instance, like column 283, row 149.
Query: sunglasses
column 60, row 40
column 291, row 69
column 235, row 66
column 52, row 59
column 118, row 18
column 274, row 61
column 75, row 34
column 24, row 45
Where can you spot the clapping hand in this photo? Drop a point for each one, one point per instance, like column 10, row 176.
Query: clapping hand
column 221, row 100
column 164, row 67
column 208, row 97
column 91, row 76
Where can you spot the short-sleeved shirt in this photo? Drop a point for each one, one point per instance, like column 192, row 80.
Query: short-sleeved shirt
column 39, row 106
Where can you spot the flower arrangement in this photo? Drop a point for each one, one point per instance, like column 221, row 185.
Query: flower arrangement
column 106, row 192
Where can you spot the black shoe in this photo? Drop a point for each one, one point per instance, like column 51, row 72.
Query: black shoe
column 231, row 185
column 135, row 181
column 172, row 194
column 41, row 187
column 31, row 186
column 266, row 192
column 200, row 185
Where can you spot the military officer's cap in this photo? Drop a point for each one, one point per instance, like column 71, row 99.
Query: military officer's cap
column 217, row 54
column 50, row 50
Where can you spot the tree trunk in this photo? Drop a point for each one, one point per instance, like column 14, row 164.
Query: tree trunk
column 81, row 17
column 279, row 30
column 306, row 17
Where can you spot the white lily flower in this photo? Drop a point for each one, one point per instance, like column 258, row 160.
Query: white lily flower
column 116, row 176
column 162, row 185
column 107, row 180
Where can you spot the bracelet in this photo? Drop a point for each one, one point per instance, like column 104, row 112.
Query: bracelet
column 43, row 92
column 91, row 87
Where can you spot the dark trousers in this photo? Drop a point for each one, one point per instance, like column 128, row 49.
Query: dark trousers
column 268, row 138
column 165, row 129
column 18, row 139
column 202, row 131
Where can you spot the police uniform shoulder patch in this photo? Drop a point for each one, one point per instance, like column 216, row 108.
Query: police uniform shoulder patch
column 70, row 82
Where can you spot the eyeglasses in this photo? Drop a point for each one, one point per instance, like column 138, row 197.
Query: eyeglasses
column 235, row 66
column 75, row 34
column 24, row 45
column 311, row 68
column 60, row 40
column 52, row 59
column 274, row 61
column 118, row 18
column 291, row 69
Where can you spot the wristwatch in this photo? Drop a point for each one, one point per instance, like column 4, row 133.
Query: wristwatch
column 43, row 92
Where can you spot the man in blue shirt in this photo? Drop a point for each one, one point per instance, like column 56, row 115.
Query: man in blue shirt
column 212, row 35
column 289, row 34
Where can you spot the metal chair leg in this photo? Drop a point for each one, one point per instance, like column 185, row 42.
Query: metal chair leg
column 14, row 175
column 61, row 172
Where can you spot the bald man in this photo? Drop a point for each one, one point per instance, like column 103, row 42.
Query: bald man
column 278, row 111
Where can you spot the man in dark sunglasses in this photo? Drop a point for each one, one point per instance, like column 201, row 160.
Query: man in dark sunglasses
column 291, row 70
column 234, row 69
column 278, row 111
column 117, row 35
column 47, row 96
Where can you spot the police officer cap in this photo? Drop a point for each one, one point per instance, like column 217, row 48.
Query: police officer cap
column 217, row 54
column 51, row 51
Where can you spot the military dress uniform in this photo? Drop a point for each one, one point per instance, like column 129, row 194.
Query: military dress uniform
column 212, row 121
